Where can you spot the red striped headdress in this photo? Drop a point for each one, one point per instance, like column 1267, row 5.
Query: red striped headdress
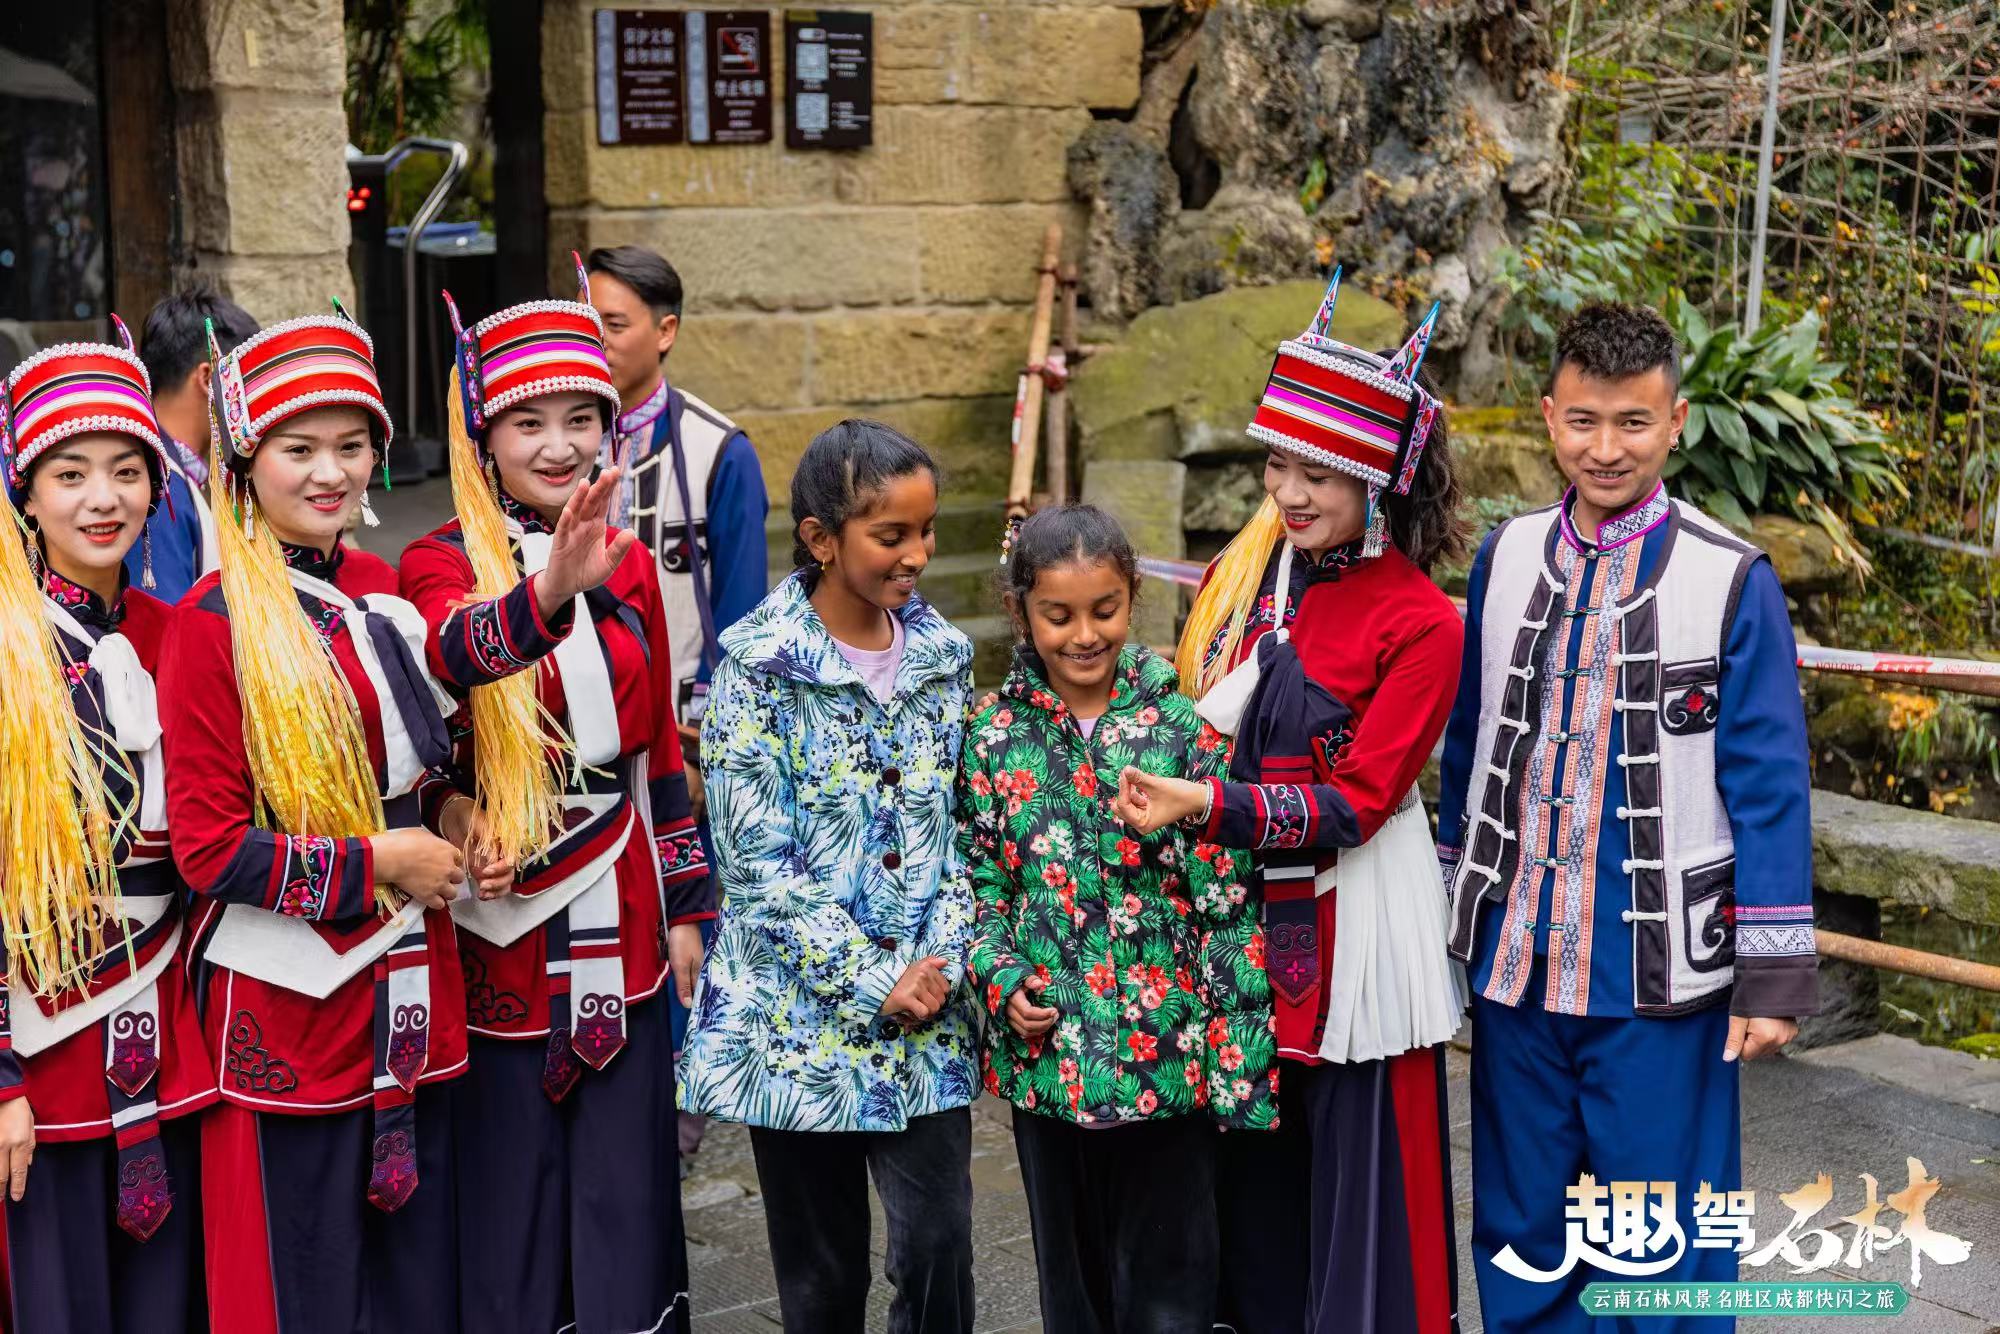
column 1348, row 409
column 316, row 361
column 526, row 351
column 75, row 389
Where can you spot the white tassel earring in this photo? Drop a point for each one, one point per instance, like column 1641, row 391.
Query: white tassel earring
column 368, row 512
column 146, row 580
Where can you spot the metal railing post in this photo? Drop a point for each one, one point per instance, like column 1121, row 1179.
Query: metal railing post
column 1753, row 303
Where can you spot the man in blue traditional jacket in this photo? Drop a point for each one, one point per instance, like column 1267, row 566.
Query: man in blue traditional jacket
column 1625, row 826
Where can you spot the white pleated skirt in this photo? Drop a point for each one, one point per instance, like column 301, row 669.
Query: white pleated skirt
column 1394, row 988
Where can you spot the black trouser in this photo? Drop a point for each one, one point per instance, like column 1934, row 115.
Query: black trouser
column 1124, row 1220
column 815, row 1187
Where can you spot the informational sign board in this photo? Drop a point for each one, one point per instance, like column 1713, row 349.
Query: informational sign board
column 641, row 63
column 829, row 79
column 729, row 63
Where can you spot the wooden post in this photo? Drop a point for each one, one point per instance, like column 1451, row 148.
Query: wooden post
column 1020, row 486
column 1062, row 364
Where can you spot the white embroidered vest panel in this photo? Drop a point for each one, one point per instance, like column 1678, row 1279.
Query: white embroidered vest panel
column 672, row 531
column 1666, row 657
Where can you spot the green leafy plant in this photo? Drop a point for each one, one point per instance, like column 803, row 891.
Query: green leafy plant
column 1769, row 428
column 1609, row 244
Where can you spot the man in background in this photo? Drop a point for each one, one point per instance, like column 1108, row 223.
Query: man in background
column 178, row 544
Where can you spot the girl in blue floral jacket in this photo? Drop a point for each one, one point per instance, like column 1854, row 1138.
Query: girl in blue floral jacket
column 834, row 999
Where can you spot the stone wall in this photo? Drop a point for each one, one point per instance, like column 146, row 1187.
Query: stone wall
column 893, row 281
column 261, row 143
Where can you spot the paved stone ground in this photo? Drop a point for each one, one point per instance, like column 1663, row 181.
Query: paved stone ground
column 1860, row 1107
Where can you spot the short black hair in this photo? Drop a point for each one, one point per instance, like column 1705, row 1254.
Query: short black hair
column 1611, row 340
column 174, row 339
column 844, row 470
column 645, row 271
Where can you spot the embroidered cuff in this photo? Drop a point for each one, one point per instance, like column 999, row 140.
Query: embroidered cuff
column 489, row 641
column 1448, row 859
column 325, row 879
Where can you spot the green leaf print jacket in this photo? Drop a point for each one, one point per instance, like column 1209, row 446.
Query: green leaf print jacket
column 1150, row 947
column 832, row 815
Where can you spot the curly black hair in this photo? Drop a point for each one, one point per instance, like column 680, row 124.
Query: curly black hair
column 1610, row 340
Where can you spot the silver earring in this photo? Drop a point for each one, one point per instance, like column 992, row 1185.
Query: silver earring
column 146, row 580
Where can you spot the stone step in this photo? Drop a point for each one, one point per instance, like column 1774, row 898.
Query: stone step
column 992, row 648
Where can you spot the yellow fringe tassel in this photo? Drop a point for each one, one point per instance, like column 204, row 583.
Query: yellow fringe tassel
column 1226, row 600
column 301, row 727
column 518, row 749
column 58, row 875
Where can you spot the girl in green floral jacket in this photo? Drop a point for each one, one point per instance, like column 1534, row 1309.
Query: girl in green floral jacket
column 1123, row 976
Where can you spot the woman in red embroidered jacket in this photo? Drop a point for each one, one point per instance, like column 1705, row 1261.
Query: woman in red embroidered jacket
column 101, row 1052
column 302, row 736
column 1320, row 644
column 568, row 1174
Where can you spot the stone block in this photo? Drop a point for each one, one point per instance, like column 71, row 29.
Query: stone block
column 920, row 352
column 919, row 54
column 293, row 46
column 770, row 259
column 1805, row 558
column 278, row 287
column 1053, row 57
column 990, row 253
column 742, row 362
column 581, row 171
column 1203, row 363
column 1507, row 462
column 1880, row 851
column 953, row 155
column 1146, row 497
column 569, row 62
column 968, row 436
column 264, row 174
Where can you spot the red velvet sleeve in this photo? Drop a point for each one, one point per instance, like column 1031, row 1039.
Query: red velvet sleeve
column 1391, row 743
column 474, row 644
column 219, row 849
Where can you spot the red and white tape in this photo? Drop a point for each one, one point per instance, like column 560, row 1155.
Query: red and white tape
column 1967, row 676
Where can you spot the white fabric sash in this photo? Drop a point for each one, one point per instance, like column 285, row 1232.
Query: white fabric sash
column 287, row 952
column 404, row 768
column 504, row 920
column 1222, row 707
column 35, row 1031
column 131, row 710
column 586, row 677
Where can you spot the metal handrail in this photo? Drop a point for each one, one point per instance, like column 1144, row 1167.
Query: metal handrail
column 456, row 157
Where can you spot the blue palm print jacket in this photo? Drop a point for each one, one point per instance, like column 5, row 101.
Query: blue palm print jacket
column 834, row 836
